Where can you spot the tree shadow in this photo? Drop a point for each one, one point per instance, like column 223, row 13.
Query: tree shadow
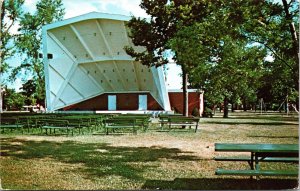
column 221, row 184
column 274, row 137
column 249, row 123
column 99, row 159
column 272, row 118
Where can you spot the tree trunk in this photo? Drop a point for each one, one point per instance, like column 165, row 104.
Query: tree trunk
column 225, row 107
column 244, row 104
column 185, row 92
column 292, row 27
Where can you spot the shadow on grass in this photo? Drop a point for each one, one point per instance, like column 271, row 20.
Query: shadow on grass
column 98, row 159
column 249, row 123
column 272, row 118
column 274, row 137
column 221, row 184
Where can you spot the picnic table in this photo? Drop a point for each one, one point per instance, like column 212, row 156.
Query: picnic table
column 180, row 121
column 259, row 153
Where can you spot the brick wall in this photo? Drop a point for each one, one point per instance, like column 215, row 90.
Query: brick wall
column 125, row 101
column 176, row 101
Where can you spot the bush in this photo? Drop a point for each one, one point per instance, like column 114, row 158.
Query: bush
column 207, row 112
column 195, row 112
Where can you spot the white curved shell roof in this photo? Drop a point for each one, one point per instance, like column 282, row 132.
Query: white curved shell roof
column 89, row 60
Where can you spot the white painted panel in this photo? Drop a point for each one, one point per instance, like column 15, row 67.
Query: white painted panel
column 61, row 62
column 112, row 102
column 114, row 33
column 128, row 74
column 52, row 97
column 96, row 73
column 83, row 84
column 59, row 105
column 68, row 39
column 56, row 81
column 110, row 72
column 142, row 102
column 70, row 95
column 92, row 37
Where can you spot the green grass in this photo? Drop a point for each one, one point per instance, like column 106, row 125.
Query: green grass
column 178, row 160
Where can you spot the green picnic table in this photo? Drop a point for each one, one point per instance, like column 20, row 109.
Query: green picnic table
column 259, row 153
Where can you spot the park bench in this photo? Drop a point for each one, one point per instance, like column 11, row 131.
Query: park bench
column 79, row 123
column 11, row 123
column 54, row 124
column 141, row 120
column 174, row 121
column 29, row 122
column 120, row 123
column 285, row 153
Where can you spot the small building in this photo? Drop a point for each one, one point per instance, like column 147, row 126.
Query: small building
column 87, row 68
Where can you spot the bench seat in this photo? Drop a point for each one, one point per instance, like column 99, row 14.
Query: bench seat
column 257, row 172
column 267, row 159
column 179, row 121
column 11, row 126
column 11, row 123
column 184, row 121
column 46, row 127
column 120, row 123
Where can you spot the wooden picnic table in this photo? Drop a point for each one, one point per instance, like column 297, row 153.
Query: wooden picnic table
column 259, row 153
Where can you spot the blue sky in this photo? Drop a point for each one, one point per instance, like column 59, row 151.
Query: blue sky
column 124, row 7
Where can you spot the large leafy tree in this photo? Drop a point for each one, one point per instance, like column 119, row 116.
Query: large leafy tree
column 10, row 14
column 29, row 42
column 13, row 100
column 167, row 18
column 275, row 27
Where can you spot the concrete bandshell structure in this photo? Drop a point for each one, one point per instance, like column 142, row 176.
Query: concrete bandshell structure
column 84, row 58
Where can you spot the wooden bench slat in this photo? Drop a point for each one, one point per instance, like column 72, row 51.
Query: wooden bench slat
column 267, row 159
column 257, row 172
column 120, row 123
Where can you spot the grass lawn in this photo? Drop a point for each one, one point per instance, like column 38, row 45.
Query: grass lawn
column 178, row 159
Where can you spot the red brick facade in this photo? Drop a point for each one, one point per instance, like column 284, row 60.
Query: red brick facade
column 130, row 101
column 125, row 101
column 176, row 101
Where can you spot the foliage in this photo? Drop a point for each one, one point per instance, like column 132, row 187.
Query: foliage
column 270, row 26
column 29, row 90
column 29, row 42
column 167, row 18
column 195, row 112
column 13, row 100
column 10, row 14
column 225, row 51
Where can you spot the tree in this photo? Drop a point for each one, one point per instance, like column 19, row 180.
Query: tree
column 29, row 42
column 30, row 92
column 273, row 27
column 10, row 13
column 167, row 17
column 270, row 26
column 13, row 100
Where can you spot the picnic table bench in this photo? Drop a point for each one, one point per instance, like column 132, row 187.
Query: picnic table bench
column 54, row 124
column 141, row 120
column 179, row 121
column 11, row 123
column 78, row 122
column 259, row 153
column 120, row 123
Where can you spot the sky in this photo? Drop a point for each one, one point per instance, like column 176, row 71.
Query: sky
column 124, row 7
